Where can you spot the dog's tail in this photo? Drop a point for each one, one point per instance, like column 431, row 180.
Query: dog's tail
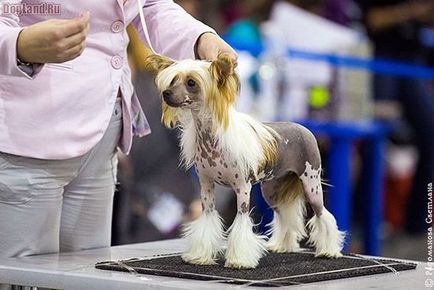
column 291, row 206
column 287, row 228
column 289, row 190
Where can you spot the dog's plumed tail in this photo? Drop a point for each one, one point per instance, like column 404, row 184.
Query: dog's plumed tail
column 287, row 227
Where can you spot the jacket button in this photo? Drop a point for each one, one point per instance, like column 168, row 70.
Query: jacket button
column 117, row 26
column 117, row 62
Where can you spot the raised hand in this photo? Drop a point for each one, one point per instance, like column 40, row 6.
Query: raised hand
column 54, row 40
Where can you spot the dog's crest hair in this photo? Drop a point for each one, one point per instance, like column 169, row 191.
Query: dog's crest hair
column 247, row 141
column 224, row 89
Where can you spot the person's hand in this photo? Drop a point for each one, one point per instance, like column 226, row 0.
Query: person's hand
column 53, row 41
column 209, row 46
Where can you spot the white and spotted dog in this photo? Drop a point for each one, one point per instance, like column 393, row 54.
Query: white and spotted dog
column 230, row 148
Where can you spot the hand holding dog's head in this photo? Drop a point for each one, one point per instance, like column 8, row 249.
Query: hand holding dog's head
column 222, row 69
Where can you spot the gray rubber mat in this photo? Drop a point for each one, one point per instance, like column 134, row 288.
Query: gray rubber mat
column 273, row 270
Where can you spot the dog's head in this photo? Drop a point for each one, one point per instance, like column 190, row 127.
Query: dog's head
column 196, row 85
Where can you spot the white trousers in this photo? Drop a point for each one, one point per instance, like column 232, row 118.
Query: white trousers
column 47, row 206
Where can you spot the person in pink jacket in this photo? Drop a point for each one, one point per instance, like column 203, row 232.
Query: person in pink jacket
column 66, row 104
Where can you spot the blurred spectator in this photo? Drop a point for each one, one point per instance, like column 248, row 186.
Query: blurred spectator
column 288, row 88
column 205, row 11
column 193, row 7
column 253, row 13
column 231, row 10
column 336, row 10
column 246, row 29
column 314, row 6
column 394, row 27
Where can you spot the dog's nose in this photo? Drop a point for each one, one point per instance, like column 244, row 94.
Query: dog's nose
column 167, row 94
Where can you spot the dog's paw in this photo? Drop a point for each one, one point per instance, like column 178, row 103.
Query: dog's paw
column 282, row 245
column 198, row 260
column 330, row 255
column 276, row 248
column 250, row 264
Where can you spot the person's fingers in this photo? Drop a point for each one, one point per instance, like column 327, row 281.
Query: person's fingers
column 231, row 52
column 76, row 39
column 74, row 56
column 211, row 45
column 212, row 54
column 75, row 26
column 76, row 52
column 71, row 53
column 223, row 47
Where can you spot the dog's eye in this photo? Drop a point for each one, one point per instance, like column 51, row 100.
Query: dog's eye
column 191, row 83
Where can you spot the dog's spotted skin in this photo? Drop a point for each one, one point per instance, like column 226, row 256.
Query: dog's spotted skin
column 298, row 153
column 311, row 179
column 213, row 165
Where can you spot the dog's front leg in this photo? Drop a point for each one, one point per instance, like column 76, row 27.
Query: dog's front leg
column 204, row 235
column 244, row 248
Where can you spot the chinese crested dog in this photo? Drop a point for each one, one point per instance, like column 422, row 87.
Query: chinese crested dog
column 230, row 148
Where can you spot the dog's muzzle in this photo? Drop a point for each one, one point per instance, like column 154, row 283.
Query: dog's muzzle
column 168, row 97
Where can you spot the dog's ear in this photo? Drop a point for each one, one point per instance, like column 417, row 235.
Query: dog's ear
column 222, row 68
column 227, row 84
column 156, row 63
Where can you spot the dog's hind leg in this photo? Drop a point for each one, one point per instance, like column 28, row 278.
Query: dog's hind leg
column 205, row 235
column 285, row 196
column 244, row 248
column 324, row 234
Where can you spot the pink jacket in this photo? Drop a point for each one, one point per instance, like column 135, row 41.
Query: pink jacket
column 61, row 111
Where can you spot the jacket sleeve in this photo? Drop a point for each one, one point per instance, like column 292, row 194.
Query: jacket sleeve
column 9, row 32
column 172, row 31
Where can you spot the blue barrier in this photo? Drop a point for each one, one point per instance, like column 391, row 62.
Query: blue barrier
column 380, row 66
column 374, row 65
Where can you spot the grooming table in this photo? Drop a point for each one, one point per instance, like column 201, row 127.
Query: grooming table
column 77, row 271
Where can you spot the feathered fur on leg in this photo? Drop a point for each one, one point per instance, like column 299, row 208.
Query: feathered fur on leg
column 287, row 227
column 205, row 235
column 245, row 248
column 325, row 236
column 205, row 238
